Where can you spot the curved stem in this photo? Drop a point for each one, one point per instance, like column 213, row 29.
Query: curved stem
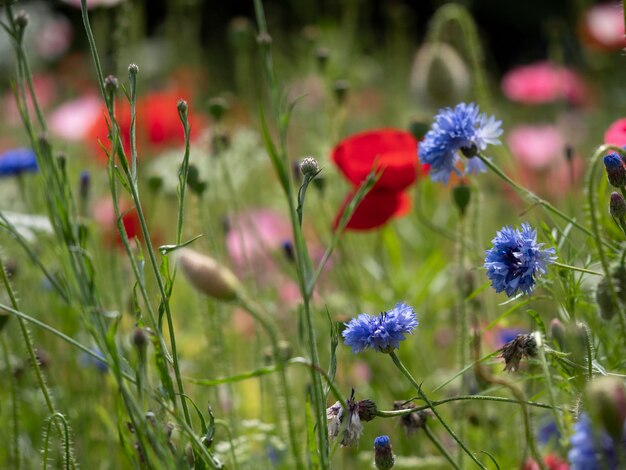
column 576, row 268
column 396, row 360
column 534, row 198
column 594, row 223
column 438, row 445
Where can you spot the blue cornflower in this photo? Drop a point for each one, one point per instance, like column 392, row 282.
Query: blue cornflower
column 382, row 332
column 463, row 129
column 516, row 260
column 17, row 161
column 592, row 450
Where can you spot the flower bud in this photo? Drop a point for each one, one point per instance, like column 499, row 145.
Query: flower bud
column 133, row 69
column 140, row 339
column 218, row 107
column 461, row 195
column 615, row 170
column 264, row 39
column 606, row 401
column 111, row 84
column 309, row 167
column 383, row 453
column 183, row 108
column 208, row 276
column 341, row 88
column 367, row 410
column 617, row 206
column 322, row 54
column 22, row 19
column 557, row 332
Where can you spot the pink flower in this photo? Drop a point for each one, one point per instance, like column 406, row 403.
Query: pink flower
column 602, row 26
column 543, row 82
column 616, row 133
column 54, row 37
column 536, row 147
column 46, row 91
column 73, row 119
column 255, row 236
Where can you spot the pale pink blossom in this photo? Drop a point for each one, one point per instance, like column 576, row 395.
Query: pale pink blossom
column 73, row 119
column 543, row 82
column 54, row 37
column 255, row 237
column 603, row 26
column 616, row 133
column 536, row 147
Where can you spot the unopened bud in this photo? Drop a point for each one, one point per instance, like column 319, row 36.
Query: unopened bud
column 341, row 88
column 85, row 184
column 461, row 195
column 383, row 453
column 111, row 84
column 367, row 410
column 557, row 332
column 208, row 276
column 218, row 107
column 322, row 54
column 606, row 400
column 183, row 108
column 264, row 39
column 133, row 69
column 615, row 170
column 617, row 206
column 309, row 167
column 140, row 338
column 22, row 19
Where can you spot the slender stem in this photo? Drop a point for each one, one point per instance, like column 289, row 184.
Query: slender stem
column 594, row 223
column 14, row 454
column 439, row 446
column 576, row 268
column 548, row 378
column 271, row 331
column 533, row 197
column 463, row 323
column 396, row 360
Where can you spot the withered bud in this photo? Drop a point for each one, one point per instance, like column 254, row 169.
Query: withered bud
column 523, row 345
column 367, row 410
column 413, row 421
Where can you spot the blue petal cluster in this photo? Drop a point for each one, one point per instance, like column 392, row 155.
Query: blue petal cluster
column 383, row 332
column 516, row 260
column 463, row 127
column 17, row 161
column 592, row 450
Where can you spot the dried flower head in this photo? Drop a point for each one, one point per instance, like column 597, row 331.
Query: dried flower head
column 353, row 429
column 413, row 421
column 523, row 345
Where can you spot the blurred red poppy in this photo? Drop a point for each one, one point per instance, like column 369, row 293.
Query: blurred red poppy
column 158, row 124
column 394, row 153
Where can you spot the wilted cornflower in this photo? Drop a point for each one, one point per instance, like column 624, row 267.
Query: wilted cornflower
column 592, row 450
column 17, row 161
column 516, row 259
column 517, row 349
column 462, row 129
column 413, row 421
column 382, row 333
column 353, row 428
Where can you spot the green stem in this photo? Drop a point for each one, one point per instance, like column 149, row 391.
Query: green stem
column 396, row 360
column 533, row 197
column 439, row 446
column 271, row 331
column 463, row 324
column 592, row 201
column 548, row 378
column 41, row 381
column 576, row 268
column 14, row 454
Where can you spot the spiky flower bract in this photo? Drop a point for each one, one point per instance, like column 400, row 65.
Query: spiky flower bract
column 383, row 454
column 516, row 260
column 464, row 129
column 383, row 332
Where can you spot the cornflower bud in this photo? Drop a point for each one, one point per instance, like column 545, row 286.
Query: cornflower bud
column 606, row 401
column 617, row 206
column 383, row 453
column 615, row 170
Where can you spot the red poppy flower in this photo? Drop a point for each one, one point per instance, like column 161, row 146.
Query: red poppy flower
column 616, row 133
column 158, row 124
column 376, row 208
column 394, row 153
column 551, row 461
